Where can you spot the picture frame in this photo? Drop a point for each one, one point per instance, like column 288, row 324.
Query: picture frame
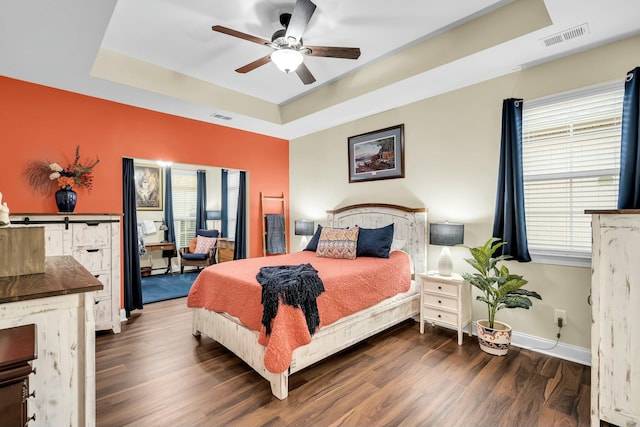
column 149, row 187
column 377, row 155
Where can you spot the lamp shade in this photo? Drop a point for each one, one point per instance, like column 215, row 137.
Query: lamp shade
column 304, row 228
column 214, row 215
column 446, row 234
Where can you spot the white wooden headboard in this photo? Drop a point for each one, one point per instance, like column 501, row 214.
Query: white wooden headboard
column 410, row 226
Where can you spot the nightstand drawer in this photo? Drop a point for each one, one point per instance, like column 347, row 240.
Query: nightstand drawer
column 441, row 288
column 440, row 316
column 438, row 301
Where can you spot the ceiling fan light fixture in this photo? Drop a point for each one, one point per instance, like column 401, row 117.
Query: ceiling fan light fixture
column 287, row 60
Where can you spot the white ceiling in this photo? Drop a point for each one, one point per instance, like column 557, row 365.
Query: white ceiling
column 96, row 47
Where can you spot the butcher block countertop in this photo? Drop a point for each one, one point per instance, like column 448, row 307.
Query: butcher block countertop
column 63, row 275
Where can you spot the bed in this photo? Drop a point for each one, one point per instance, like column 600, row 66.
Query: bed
column 249, row 344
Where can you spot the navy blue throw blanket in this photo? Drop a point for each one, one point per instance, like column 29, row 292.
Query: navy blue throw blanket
column 295, row 285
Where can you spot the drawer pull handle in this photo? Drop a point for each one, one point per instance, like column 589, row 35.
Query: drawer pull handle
column 32, row 394
column 96, row 275
column 33, row 371
column 31, row 418
column 440, row 287
column 92, row 223
column 439, row 301
column 93, row 250
column 439, row 316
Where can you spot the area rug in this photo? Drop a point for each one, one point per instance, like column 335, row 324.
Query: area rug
column 166, row 286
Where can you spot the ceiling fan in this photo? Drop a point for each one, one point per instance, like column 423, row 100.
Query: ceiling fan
column 289, row 50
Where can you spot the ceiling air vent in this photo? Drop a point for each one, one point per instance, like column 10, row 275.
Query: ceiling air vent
column 219, row 116
column 569, row 34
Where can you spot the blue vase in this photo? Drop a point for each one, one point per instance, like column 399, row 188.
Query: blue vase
column 66, row 199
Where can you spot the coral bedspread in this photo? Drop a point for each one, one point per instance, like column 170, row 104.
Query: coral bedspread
column 350, row 286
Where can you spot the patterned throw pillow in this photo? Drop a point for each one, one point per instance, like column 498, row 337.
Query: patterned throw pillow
column 204, row 244
column 338, row 243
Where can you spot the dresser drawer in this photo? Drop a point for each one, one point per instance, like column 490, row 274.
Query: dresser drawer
column 441, row 288
column 438, row 301
column 94, row 260
column 103, row 313
column 105, row 279
column 91, row 234
column 440, row 316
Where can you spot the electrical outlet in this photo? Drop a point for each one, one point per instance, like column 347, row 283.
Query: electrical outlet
column 559, row 314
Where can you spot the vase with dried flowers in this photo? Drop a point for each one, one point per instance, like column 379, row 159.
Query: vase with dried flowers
column 44, row 176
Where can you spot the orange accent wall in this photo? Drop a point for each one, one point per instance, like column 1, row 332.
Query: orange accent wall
column 42, row 123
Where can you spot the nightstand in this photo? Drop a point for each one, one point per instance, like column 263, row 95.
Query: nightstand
column 226, row 248
column 445, row 300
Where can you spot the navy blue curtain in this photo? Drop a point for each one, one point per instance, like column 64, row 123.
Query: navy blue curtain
column 509, row 220
column 131, row 261
column 240, row 251
column 201, row 200
column 225, row 207
column 629, row 190
column 170, row 232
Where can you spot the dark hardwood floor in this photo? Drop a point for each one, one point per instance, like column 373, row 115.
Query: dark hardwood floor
column 155, row 373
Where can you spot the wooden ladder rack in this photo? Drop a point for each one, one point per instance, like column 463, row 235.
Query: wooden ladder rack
column 281, row 199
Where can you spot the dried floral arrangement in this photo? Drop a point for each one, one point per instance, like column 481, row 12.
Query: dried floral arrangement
column 45, row 176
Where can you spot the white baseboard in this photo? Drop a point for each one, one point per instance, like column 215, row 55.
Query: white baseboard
column 123, row 315
column 545, row 346
column 568, row 352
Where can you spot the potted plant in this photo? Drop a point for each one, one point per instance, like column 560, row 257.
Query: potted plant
column 500, row 289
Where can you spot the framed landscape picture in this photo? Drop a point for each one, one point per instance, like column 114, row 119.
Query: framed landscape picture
column 377, row 155
column 148, row 187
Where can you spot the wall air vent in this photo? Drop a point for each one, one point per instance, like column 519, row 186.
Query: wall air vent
column 569, row 34
column 219, row 116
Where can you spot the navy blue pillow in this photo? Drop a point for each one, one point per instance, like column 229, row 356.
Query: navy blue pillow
column 313, row 243
column 375, row 242
column 206, row 233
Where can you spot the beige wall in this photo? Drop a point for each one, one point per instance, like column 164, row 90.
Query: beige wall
column 452, row 147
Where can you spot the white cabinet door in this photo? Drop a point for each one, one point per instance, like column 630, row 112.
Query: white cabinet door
column 616, row 319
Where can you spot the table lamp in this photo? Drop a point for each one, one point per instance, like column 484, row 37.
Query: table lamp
column 303, row 228
column 214, row 216
column 446, row 234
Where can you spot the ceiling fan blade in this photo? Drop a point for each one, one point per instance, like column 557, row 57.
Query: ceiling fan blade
column 302, row 12
column 334, row 52
column 255, row 64
column 305, row 75
column 245, row 36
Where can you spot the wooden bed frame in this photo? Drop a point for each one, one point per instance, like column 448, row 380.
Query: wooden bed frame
column 409, row 231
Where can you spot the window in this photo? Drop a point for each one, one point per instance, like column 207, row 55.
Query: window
column 233, row 186
column 571, row 162
column 184, row 190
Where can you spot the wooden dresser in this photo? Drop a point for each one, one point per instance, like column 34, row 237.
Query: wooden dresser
column 94, row 241
column 60, row 303
column 226, row 248
column 17, row 349
column 615, row 326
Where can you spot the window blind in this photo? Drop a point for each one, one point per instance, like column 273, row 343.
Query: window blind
column 571, row 161
column 184, row 191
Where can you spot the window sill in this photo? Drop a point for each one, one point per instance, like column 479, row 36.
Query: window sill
column 575, row 259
